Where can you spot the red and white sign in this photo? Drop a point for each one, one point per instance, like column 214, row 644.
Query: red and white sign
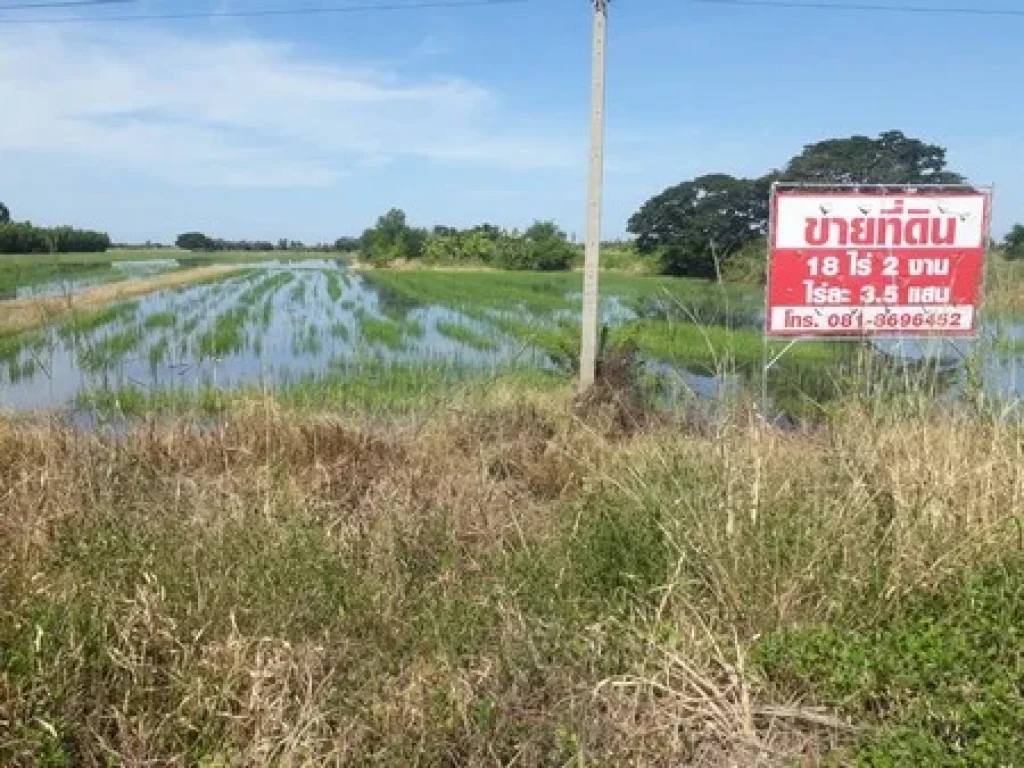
column 876, row 264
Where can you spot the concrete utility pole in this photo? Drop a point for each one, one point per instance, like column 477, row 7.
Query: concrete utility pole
column 588, row 350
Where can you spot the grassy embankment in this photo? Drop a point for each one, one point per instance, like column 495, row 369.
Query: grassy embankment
column 512, row 583
column 23, row 314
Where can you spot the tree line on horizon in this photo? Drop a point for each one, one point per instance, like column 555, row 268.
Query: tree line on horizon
column 24, row 237
column 197, row 241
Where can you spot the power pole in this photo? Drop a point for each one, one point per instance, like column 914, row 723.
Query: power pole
column 588, row 350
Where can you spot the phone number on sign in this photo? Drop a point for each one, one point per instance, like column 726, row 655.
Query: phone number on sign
column 872, row 320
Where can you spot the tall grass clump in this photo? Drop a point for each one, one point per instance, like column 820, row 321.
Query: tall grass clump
column 509, row 580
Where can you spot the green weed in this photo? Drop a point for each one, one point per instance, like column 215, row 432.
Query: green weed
column 941, row 683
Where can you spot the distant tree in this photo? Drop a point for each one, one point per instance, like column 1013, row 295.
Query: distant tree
column 697, row 227
column 468, row 247
column 543, row 247
column 694, row 226
column 5, row 214
column 490, row 231
column 1013, row 243
column 392, row 238
column 892, row 158
column 195, row 241
column 346, row 244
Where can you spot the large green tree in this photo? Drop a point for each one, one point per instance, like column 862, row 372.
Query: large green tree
column 195, row 241
column 696, row 225
column 892, row 158
column 696, row 228
column 392, row 238
column 5, row 214
column 1013, row 243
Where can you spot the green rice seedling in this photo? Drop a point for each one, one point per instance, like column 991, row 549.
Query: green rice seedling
column 267, row 314
column 298, row 294
column 158, row 351
column 307, row 342
column 226, row 336
column 706, row 347
column 104, row 353
column 11, row 345
column 559, row 341
column 413, row 328
column 157, row 320
column 348, row 305
column 480, row 314
column 18, row 371
column 88, row 322
column 334, row 285
column 339, row 331
column 191, row 324
column 466, row 335
column 381, row 331
column 266, row 288
column 507, row 290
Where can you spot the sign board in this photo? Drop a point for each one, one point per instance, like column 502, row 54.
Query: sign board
column 880, row 264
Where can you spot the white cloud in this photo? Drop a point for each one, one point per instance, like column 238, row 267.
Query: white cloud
column 245, row 112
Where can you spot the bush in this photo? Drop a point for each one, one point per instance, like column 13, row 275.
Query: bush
column 543, row 247
column 1013, row 245
column 469, row 247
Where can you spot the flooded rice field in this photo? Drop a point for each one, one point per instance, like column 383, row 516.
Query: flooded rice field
column 314, row 328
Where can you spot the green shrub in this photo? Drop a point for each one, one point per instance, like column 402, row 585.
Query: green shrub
column 543, row 248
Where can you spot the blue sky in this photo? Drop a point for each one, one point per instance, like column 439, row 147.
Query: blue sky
column 310, row 127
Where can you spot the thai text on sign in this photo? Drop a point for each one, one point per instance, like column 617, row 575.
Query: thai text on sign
column 907, row 263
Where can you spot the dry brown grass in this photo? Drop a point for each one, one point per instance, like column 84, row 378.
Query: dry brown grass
column 23, row 314
column 505, row 584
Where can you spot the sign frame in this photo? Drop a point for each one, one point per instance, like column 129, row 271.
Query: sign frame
column 986, row 192
column 791, row 340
